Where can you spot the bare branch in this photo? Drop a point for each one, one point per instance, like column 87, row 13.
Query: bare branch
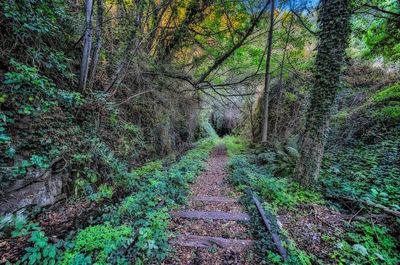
column 302, row 22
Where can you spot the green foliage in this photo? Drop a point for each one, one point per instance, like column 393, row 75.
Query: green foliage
column 208, row 130
column 297, row 257
column 391, row 93
column 278, row 192
column 36, row 23
column 282, row 159
column 379, row 35
column 105, row 191
column 148, row 168
column 234, row 145
column 367, row 244
column 35, row 161
column 41, row 250
column 365, row 171
column 284, row 192
column 153, row 235
column 35, row 16
column 97, row 243
column 391, row 112
column 388, row 101
column 154, row 192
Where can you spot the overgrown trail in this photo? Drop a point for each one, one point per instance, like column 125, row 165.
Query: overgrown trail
column 213, row 229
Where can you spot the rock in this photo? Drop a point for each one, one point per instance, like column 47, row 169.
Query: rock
column 40, row 189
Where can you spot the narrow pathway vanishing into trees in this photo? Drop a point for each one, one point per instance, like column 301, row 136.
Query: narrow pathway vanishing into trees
column 212, row 229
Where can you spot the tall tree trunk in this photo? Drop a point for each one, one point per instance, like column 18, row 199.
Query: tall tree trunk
column 87, row 45
column 280, row 88
column 264, row 135
column 334, row 17
column 99, row 43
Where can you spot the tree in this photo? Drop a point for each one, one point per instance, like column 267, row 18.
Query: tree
column 334, row 22
column 87, row 45
column 99, row 43
column 264, row 135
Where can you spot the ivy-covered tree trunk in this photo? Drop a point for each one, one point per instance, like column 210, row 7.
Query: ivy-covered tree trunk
column 334, row 22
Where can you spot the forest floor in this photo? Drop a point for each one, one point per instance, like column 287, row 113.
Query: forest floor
column 212, row 228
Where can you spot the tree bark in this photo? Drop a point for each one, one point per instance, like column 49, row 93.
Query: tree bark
column 99, row 43
column 87, row 45
column 280, row 88
column 334, row 21
column 264, row 135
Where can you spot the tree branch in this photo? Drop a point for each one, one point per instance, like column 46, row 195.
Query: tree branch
column 226, row 55
column 303, row 23
column 382, row 10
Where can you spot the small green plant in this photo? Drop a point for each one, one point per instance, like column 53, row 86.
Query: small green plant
column 41, row 251
column 153, row 235
column 105, row 191
column 97, row 243
column 367, row 244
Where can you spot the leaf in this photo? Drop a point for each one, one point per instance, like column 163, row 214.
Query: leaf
column 52, row 252
column 360, row 249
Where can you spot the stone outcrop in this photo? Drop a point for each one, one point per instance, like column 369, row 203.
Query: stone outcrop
column 41, row 188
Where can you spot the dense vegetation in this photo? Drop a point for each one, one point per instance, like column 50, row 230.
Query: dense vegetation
column 109, row 109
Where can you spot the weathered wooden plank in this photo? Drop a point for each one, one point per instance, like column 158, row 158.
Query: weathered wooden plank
column 275, row 236
column 212, row 215
column 208, row 241
column 213, row 199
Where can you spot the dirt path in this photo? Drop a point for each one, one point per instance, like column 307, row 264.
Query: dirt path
column 213, row 228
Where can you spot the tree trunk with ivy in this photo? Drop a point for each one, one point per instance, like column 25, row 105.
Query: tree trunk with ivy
column 334, row 21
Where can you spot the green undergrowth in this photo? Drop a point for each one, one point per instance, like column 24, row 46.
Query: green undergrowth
column 361, row 242
column 41, row 249
column 251, row 177
column 365, row 171
column 367, row 243
column 389, row 101
column 248, row 172
column 135, row 229
column 142, row 218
